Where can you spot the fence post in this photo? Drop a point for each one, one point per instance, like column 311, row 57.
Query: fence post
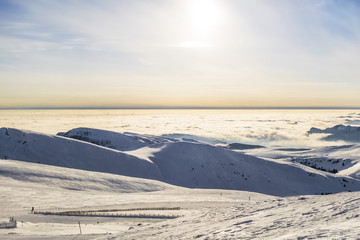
column 80, row 227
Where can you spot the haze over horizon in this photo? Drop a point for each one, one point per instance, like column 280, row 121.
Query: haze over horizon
column 190, row 53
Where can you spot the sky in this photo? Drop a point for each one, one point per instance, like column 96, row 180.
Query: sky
column 179, row 53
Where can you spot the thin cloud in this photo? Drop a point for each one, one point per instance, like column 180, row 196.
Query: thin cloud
column 260, row 51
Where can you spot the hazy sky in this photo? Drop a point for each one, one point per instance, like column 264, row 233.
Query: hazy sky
column 140, row 53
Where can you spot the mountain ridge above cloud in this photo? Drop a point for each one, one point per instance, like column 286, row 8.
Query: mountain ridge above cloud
column 339, row 133
column 181, row 163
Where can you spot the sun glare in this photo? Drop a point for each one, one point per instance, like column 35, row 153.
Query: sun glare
column 204, row 16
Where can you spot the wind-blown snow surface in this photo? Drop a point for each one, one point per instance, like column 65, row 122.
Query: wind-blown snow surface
column 311, row 217
column 181, row 163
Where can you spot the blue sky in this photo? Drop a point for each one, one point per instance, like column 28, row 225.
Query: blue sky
column 179, row 53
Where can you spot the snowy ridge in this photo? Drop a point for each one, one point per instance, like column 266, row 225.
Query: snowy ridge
column 65, row 152
column 241, row 146
column 187, row 164
column 339, row 132
column 114, row 140
column 194, row 138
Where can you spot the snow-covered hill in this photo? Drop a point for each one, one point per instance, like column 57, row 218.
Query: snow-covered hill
column 205, row 166
column 188, row 164
column 65, row 152
column 346, row 158
column 114, row 140
column 342, row 160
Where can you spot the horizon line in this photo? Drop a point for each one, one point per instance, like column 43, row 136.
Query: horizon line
column 173, row 108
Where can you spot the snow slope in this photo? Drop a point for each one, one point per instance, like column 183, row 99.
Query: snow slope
column 65, row 152
column 25, row 185
column 74, row 179
column 205, row 166
column 343, row 160
column 208, row 214
column 187, row 164
column 311, row 217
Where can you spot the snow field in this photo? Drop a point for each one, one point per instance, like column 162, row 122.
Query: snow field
column 54, row 173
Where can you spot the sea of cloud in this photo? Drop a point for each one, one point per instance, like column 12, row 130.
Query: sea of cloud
column 262, row 127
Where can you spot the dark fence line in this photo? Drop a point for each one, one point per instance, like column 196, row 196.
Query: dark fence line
column 134, row 209
column 124, row 210
column 92, row 214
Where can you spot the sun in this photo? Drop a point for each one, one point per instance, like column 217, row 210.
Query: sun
column 204, row 16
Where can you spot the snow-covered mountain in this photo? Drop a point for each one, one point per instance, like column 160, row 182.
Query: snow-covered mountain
column 182, row 163
column 339, row 132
